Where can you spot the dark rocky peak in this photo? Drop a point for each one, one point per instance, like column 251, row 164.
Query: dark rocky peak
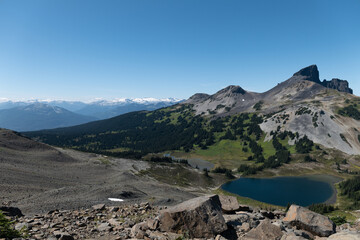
column 310, row 73
column 340, row 85
column 232, row 89
column 199, row 96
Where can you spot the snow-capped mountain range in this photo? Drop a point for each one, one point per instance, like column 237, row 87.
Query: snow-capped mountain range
column 7, row 103
column 62, row 113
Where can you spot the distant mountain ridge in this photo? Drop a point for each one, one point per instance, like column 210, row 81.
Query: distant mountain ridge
column 103, row 109
column 304, row 84
column 326, row 112
column 99, row 109
column 39, row 116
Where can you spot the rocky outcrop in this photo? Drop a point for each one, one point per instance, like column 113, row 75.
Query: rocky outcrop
column 315, row 223
column 310, row 73
column 198, row 217
column 229, row 204
column 198, row 97
column 337, row 84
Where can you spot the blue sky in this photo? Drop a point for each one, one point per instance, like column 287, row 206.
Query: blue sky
column 83, row 49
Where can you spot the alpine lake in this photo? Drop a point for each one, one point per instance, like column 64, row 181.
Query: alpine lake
column 303, row 191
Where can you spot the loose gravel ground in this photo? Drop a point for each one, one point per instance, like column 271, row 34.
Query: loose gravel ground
column 38, row 178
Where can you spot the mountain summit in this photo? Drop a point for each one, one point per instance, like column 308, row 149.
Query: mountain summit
column 303, row 85
column 310, row 73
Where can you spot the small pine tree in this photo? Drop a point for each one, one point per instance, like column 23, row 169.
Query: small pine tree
column 6, row 229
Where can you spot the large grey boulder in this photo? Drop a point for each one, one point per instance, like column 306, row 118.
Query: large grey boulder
column 312, row 222
column 346, row 235
column 229, row 204
column 199, row 217
column 265, row 231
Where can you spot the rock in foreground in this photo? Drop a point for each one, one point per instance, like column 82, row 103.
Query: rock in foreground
column 315, row 223
column 229, row 204
column 266, row 230
column 198, row 217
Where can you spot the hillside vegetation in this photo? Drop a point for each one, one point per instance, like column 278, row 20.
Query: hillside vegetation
column 299, row 120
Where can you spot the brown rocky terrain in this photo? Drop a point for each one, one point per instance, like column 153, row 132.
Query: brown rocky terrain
column 37, row 178
column 207, row 217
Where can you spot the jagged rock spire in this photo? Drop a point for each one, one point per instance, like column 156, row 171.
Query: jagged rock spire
column 311, row 73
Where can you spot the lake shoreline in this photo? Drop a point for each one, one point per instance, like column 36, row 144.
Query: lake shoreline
column 332, row 180
column 328, row 179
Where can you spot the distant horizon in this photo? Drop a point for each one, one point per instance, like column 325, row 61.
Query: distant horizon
column 2, row 100
column 78, row 50
column 115, row 99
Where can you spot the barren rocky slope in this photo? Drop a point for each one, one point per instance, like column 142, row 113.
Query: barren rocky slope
column 207, row 217
column 37, row 177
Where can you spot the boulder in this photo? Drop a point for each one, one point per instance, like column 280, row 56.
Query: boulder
column 104, row 227
column 21, row 226
column 236, row 220
column 99, row 207
column 291, row 236
column 138, row 230
column 345, row 236
column 62, row 235
column 219, row 237
column 199, row 217
column 114, row 222
column 265, row 231
column 229, row 204
column 305, row 219
column 245, row 227
column 153, row 223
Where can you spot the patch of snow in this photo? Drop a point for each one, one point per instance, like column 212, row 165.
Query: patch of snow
column 115, row 199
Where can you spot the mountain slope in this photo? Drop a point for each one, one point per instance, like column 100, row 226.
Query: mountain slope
column 38, row 178
column 302, row 104
column 39, row 116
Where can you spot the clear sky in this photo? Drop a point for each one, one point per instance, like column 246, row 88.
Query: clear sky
column 83, row 49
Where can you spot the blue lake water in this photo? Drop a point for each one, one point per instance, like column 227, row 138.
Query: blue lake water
column 280, row 191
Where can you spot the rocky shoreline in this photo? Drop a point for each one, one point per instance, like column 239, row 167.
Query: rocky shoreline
column 206, row 217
